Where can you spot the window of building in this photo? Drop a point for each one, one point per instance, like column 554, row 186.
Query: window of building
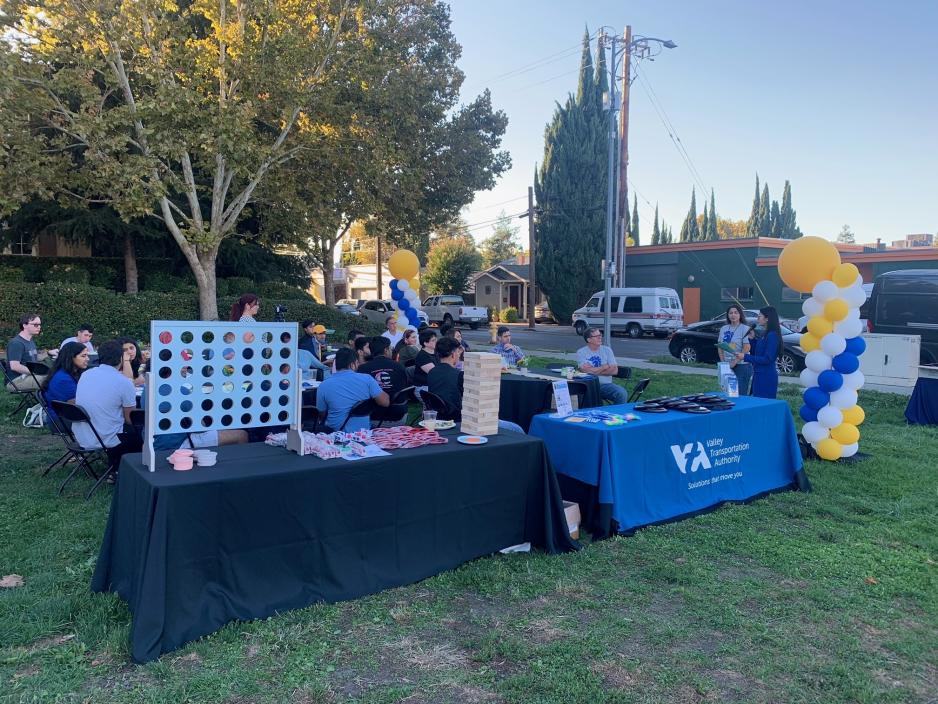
column 488, row 290
column 22, row 245
column 790, row 294
column 737, row 293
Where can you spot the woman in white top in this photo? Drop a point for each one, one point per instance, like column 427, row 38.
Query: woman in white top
column 245, row 308
column 735, row 333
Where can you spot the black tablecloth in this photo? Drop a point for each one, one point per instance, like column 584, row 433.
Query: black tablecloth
column 266, row 530
column 923, row 405
column 523, row 397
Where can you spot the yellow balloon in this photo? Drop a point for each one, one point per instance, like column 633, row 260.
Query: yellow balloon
column 819, row 326
column 414, row 284
column 845, row 275
column 836, row 309
column 845, row 434
column 403, row 264
column 829, row 449
column 807, row 260
column 854, row 416
column 809, row 342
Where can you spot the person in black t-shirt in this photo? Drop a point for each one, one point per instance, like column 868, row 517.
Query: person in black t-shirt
column 390, row 375
column 426, row 357
column 445, row 380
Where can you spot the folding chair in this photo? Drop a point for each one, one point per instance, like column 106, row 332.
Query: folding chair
column 397, row 409
column 58, row 428
column 432, row 402
column 359, row 410
column 624, row 373
column 73, row 413
column 638, row 390
column 28, row 397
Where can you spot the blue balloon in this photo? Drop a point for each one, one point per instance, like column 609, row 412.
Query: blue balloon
column 403, row 304
column 829, row 380
column 808, row 414
column 856, row 345
column 396, row 294
column 412, row 313
column 816, row 398
column 846, row 363
column 393, row 284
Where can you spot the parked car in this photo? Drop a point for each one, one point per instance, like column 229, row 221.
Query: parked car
column 347, row 308
column 453, row 310
column 750, row 314
column 635, row 311
column 697, row 343
column 542, row 313
column 378, row 311
column 905, row 302
column 356, row 303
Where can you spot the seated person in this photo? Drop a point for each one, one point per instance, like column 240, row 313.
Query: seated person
column 363, row 349
column 407, row 349
column 445, row 380
column 454, row 333
column 83, row 335
column 596, row 358
column 108, row 397
column 310, row 365
column 345, row 389
column 130, row 364
column 349, row 342
column 392, row 334
column 390, row 375
column 196, row 440
column 61, row 384
column 426, row 357
column 511, row 354
column 22, row 349
column 313, row 339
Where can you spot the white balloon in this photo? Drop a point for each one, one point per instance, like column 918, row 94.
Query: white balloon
column 854, row 380
column 817, row 361
column 854, row 295
column 830, row 417
column 410, row 295
column 849, row 450
column 832, row 344
column 825, row 291
column 808, row 378
column 849, row 327
column 802, row 323
column 843, row 398
column 814, row 432
column 402, row 285
column 812, row 307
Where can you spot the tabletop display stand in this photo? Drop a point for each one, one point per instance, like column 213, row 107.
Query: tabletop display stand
column 222, row 376
column 481, row 387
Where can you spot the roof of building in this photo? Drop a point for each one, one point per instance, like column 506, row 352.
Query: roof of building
column 506, row 272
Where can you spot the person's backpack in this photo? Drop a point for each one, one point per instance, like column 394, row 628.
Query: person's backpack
column 35, row 417
column 807, row 452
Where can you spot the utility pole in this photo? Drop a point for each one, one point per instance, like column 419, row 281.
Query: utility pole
column 608, row 262
column 624, row 153
column 532, row 252
column 378, row 272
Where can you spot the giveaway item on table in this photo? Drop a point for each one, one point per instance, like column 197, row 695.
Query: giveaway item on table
column 595, row 415
column 404, row 437
column 472, row 439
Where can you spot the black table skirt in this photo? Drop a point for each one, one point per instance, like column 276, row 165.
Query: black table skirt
column 922, row 408
column 523, row 397
column 265, row 530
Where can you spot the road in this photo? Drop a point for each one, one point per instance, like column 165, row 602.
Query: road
column 561, row 338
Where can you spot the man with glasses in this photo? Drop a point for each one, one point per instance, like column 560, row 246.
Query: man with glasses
column 598, row 359
column 511, row 354
column 22, row 349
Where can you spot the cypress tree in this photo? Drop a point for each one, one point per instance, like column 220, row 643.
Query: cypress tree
column 712, row 233
column 765, row 213
column 571, row 191
column 634, row 229
column 752, row 227
column 585, row 84
column 789, row 228
column 656, row 232
column 704, row 223
column 776, row 220
column 689, row 230
column 627, row 223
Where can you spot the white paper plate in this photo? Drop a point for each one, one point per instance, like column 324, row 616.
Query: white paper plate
column 437, row 424
column 472, row 439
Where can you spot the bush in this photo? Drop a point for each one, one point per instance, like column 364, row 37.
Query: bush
column 509, row 315
column 112, row 314
column 9, row 273
column 239, row 285
column 105, row 276
column 493, row 315
column 38, row 269
column 163, row 282
column 68, row 274
column 275, row 289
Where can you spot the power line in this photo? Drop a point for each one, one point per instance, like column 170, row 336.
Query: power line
column 543, row 61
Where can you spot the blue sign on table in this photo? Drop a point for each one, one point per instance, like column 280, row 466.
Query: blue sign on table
column 668, row 465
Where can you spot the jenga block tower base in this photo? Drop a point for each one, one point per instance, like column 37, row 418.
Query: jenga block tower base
column 482, row 386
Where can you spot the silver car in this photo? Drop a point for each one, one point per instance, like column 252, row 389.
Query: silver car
column 378, row 311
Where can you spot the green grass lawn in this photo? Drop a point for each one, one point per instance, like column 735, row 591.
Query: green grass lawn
column 824, row 597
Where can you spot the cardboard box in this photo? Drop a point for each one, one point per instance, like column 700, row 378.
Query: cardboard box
column 572, row 512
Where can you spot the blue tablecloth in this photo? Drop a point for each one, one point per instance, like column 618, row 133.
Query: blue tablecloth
column 669, row 465
column 923, row 405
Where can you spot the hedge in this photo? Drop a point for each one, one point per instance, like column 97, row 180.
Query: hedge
column 107, row 272
column 64, row 306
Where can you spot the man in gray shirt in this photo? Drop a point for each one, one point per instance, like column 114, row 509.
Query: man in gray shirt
column 598, row 359
column 22, row 349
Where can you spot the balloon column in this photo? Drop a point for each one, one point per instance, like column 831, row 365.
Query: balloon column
column 833, row 343
column 404, row 266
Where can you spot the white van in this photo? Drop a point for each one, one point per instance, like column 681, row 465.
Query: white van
column 634, row 311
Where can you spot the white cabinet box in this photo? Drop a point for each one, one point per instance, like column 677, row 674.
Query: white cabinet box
column 891, row 359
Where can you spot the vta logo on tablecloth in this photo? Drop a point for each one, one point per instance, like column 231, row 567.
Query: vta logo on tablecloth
column 700, row 460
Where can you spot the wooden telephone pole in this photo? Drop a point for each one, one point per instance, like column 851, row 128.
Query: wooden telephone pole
column 623, row 200
column 532, row 252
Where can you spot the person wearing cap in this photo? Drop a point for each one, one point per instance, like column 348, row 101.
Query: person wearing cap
column 392, row 333
column 314, row 335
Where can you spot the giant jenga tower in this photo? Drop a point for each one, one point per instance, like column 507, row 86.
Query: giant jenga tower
column 482, row 382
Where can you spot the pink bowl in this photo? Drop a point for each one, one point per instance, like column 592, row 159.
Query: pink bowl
column 182, row 464
column 182, row 453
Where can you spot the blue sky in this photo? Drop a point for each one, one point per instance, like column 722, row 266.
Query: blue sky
column 840, row 98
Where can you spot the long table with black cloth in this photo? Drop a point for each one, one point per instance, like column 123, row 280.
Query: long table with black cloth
column 522, row 397
column 266, row 530
column 672, row 465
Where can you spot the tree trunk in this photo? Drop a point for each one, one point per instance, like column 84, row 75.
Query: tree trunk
column 208, row 295
column 130, row 264
column 328, row 284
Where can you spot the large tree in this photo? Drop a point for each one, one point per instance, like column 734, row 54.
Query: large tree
column 765, row 212
column 633, row 230
column 712, row 233
column 186, row 111
column 450, row 263
column 789, row 226
column 846, row 236
column 656, row 232
column 753, row 226
column 571, row 194
column 502, row 244
column 689, row 230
